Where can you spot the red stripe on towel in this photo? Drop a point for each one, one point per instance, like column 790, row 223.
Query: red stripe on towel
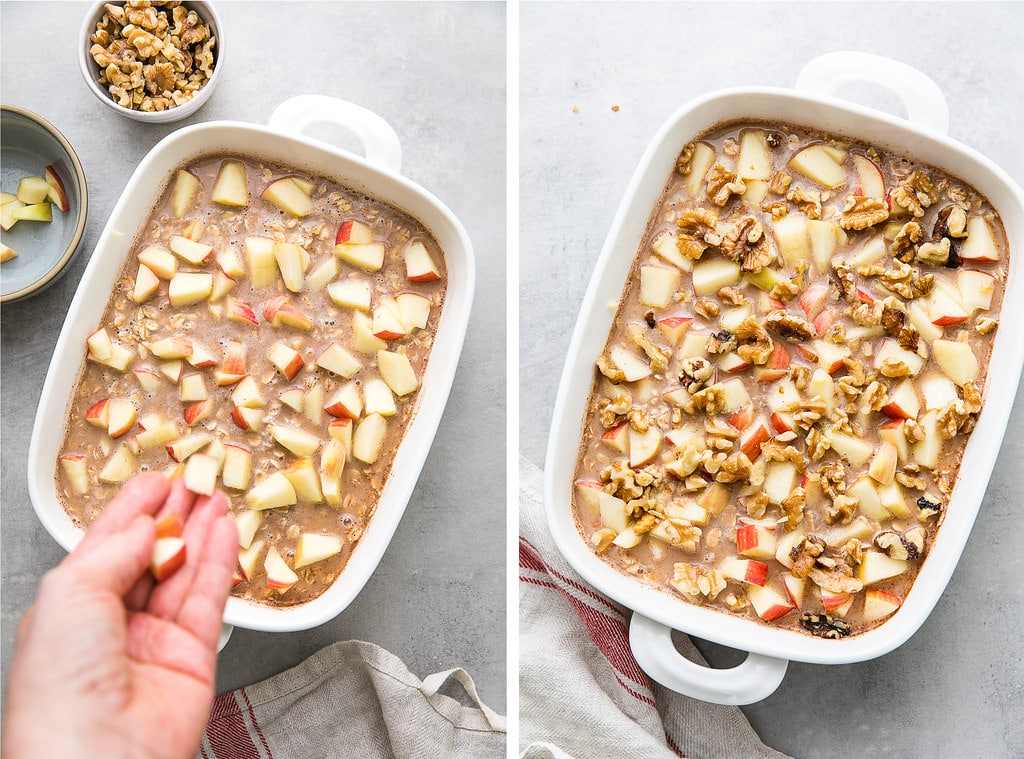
column 226, row 731
column 255, row 723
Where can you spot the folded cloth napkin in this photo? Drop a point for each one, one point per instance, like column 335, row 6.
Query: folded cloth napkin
column 581, row 692
column 352, row 699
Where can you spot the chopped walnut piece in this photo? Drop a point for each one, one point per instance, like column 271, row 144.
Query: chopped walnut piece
column 694, row 371
column 707, row 308
column 904, row 245
column 645, row 524
column 801, row 376
column 658, row 356
column 688, row 457
column 934, row 253
column 638, row 420
column 720, row 429
column 785, row 290
column 972, row 397
column 683, row 163
column 842, row 279
column 928, row 506
column 722, row 184
column 697, row 229
column 984, row 325
column 756, row 504
column 915, row 194
column 793, row 508
column 915, row 538
column 893, row 318
column 825, row 626
column 833, row 479
column 804, row 554
column 837, row 580
column 779, row 183
column 894, row 368
column 732, row 297
column 626, row 483
column 609, row 370
column 747, row 244
column 602, row 539
column 778, row 209
column 852, row 552
column 953, row 419
column 611, row 410
column 789, row 327
column 723, row 341
column 736, row 468
column 808, row 201
column 863, row 212
column 694, row 581
column 842, row 510
column 710, row 400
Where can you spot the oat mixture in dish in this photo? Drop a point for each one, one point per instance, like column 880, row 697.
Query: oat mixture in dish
column 267, row 336
column 797, row 360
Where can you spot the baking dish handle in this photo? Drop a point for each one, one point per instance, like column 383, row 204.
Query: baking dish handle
column 756, row 678
column 379, row 140
column 926, row 105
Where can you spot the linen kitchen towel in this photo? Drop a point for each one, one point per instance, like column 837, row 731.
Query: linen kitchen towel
column 581, row 693
column 352, row 699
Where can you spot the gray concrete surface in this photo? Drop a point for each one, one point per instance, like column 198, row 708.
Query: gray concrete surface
column 436, row 72
column 957, row 687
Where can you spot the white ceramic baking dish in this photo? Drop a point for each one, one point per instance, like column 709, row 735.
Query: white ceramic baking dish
column 657, row 612
column 281, row 142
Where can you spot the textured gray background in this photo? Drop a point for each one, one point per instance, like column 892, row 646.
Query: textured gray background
column 436, row 72
column 957, row 687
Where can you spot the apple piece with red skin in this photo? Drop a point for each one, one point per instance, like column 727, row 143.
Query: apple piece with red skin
column 883, row 465
column 742, row 418
column 870, row 182
column 121, row 415
column 731, row 363
column 201, row 472
column 201, row 357
column 239, row 311
column 753, row 438
column 280, row 576
column 414, row 310
column 630, row 365
column 341, row 430
column 745, row 570
column 823, row 321
column 795, row 588
column 837, row 604
column 714, row 498
column 292, row 398
column 230, row 264
column 777, row 365
column 286, row 359
column 903, row 402
column 419, row 266
column 76, row 469
column 781, row 422
column 768, row 603
column 169, row 525
column 353, row 231
column 198, row 412
column 894, row 431
column 280, row 312
column 333, row 458
column 617, row 438
column 944, row 309
column 813, row 299
column 980, row 244
column 387, row 322
column 98, row 414
column 233, row 362
column 171, row 348
column 755, row 540
column 806, row 353
column 180, row 450
column 248, row 559
column 674, row 327
column 289, row 196
column 56, row 192
column 247, row 419
column 879, row 604
column 831, row 356
column 173, row 370
column 643, row 446
column 168, row 557
column 346, row 402
column 237, row 466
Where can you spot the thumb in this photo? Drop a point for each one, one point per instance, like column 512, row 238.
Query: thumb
column 116, row 561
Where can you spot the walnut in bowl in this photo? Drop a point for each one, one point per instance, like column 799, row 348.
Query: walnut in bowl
column 152, row 60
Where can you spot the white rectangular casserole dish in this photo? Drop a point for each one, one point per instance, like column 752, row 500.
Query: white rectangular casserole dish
column 656, row 612
column 280, row 142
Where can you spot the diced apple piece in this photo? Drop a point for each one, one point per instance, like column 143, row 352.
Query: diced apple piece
column 894, row 501
column 7, row 253
column 735, row 392
column 894, row 431
column 146, row 284
column 879, row 604
column 956, row 360
column 836, row 604
column 779, row 478
column 120, row 466
column 366, row 256
column 813, row 299
column 387, row 321
column 793, row 238
column 181, row 449
column 259, row 252
column 891, row 350
column 248, row 559
column 313, row 547
column 339, row 361
column 286, row 359
column 292, row 398
column 120, row 417
column 201, row 474
column 674, row 327
column 629, row 364
column 731, row 318
column 658, row 285
column 193, row 388
column 732, row 363
column 76, row 469
column 766, row 279
column 185, row 188
column 56, row 193
column 944, row 308
column 419, row 266
column 32, row 190
column 795, row 588
column 903, row 402
column 414, row 310
column 823, row 386
column 305, row 479
column 976, row 289
column 239, row 311
column 869, row 501
column 280, row 577
column 368, row 438
column 883, row 466
column 33, row 212
column 714, row 498
column 643, row 446
column 296, row 440
column 100, row 345
column 938, row 391
column 186, row 288
column 168, row 557
column 353, row 231
column 247, row 523
column 745, row 570
column 230, row 264
column 159, row 261
column 694, row 344
column 922, row 322
column 281, row 312
column 831, row 356
column 171, row 348
column 751, row 440
column 289, row 256
column 755, row 159
column 870, row 183
column 363, row 339
column 926, row 451
column 397, row 372
column 345, row 403
column 711, row 275
column 274, row 491
column 617, row 438
column 777, row 366
column 871, row 252
column 319, row 278
column 666, row 246
column 875, row 567
column 237, row 467
column 785, row 545
column 7, row 219
column 158, row 435
column 700, row 163
column 855, row 450
column 287, row 195
column 351, row 293
column 768, row 603
column 819, row 164
column 741, row 419
column 195, row 253
column 333, row 458
column 377, row 398
column 98, row 414
column 231, row 187
column 980, row 244
column 247, row 394
column 755, row 540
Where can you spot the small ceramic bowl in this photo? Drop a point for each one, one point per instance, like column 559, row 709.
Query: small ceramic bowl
column 91, row 70
column 30, row 144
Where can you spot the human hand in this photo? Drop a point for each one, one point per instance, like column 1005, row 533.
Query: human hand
column 108, row 662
